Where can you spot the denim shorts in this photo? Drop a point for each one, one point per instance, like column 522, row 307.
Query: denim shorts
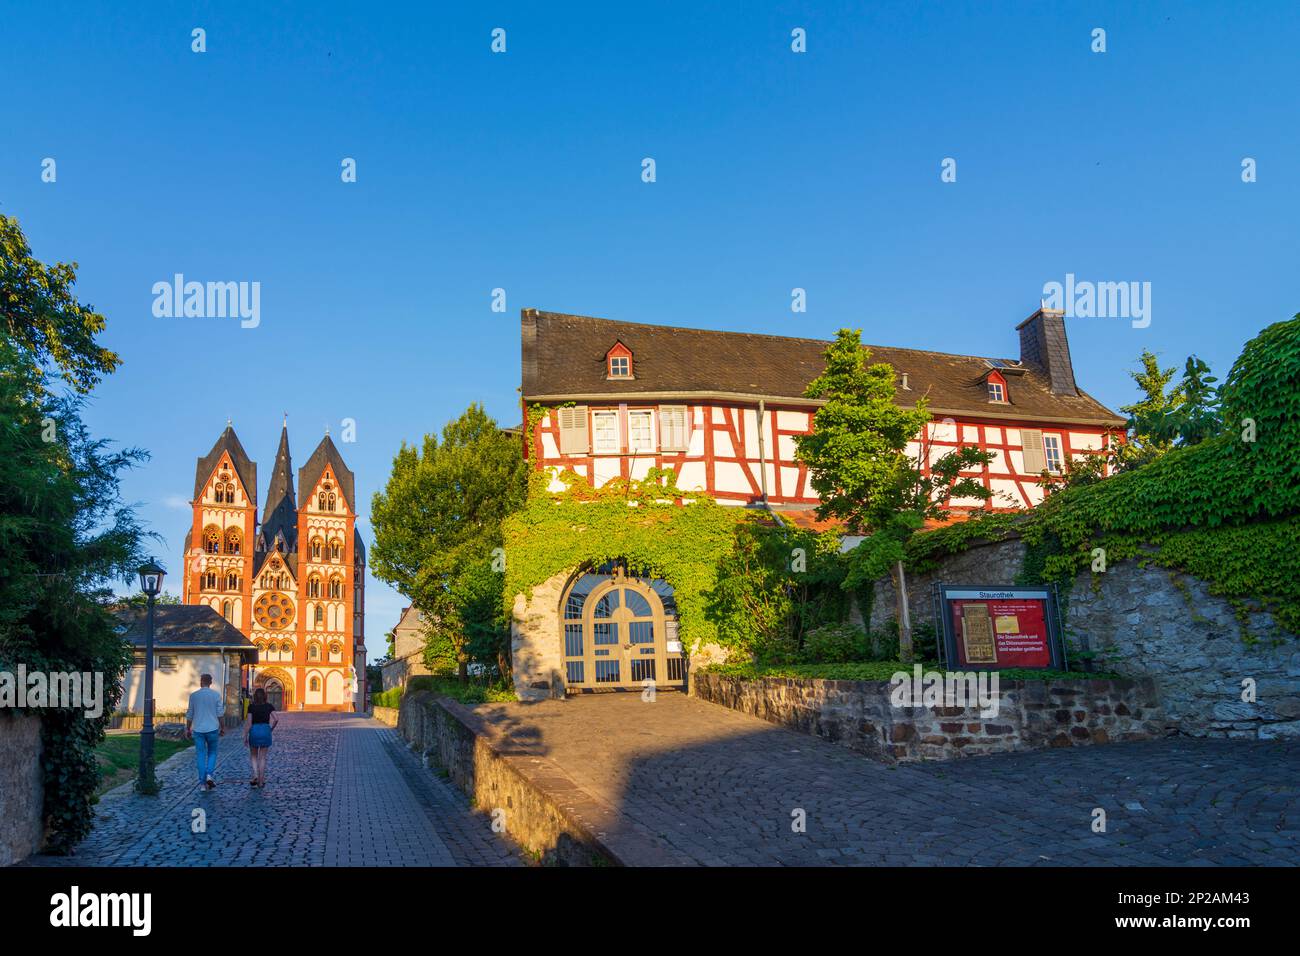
column 259, row 735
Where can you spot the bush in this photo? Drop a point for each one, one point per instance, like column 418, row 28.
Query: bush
column 835, row 644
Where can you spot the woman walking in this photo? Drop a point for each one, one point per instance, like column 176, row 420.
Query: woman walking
column 257, row 735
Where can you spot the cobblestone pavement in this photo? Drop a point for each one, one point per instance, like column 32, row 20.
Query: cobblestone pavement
column 722, row 788
column 341, row 790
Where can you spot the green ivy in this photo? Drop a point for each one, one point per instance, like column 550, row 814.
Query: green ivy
column 741, row 579
column 1226, row 510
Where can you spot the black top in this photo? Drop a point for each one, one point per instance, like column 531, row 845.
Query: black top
column 261, row 713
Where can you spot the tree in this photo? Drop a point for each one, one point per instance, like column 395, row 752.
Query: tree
column 42, row 319
column 437, row 523
column 1166, row 418
column 858, row 462
column 65, row 534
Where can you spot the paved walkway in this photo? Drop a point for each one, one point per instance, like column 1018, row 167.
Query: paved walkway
column 341, row 790
column 709, row 785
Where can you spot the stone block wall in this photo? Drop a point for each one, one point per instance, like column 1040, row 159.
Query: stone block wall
column 1151, row 622
column 22, row 791
column 541, row 813
column 1031, row 715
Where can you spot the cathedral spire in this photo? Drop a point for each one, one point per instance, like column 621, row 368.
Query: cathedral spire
column 281, row 514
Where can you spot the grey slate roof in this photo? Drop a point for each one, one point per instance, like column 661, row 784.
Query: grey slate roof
column 327, row 454
column 244, row 467
column 178, row 626
column 281, row 514
column 563, row 358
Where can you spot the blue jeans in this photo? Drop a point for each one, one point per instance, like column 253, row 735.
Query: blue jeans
column 205, row 753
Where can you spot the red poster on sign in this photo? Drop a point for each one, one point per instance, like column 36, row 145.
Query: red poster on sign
column 1001, row 632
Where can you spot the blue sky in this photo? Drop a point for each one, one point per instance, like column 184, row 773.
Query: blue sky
column 522, row 171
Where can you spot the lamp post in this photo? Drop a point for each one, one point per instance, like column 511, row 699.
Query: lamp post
column 151, row 578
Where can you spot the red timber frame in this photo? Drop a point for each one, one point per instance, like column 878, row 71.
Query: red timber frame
column 726, row 419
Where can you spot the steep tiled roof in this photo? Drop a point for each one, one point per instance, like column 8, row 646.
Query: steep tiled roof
column 564, row 359
column 244, row 468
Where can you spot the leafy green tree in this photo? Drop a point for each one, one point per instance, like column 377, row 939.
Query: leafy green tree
column 437, row 524
column 65, row 533
column 1169, row 417
column 1143, row 445
column 41, row 318
column 858, row 462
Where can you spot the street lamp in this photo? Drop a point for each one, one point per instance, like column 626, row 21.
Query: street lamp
column 151, row 579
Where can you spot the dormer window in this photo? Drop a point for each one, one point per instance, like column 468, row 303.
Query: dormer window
column 618, row 361
column 997, row 386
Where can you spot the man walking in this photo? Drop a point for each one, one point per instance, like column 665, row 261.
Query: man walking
column 203, row 724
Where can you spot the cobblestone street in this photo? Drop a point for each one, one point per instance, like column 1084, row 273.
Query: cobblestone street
column 710, row 785
column 715, row 787
column 341, row 790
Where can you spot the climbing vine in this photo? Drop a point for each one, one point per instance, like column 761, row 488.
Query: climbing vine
column 1226, row 510
column 741, row 579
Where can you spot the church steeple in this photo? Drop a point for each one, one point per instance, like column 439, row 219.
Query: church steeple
column 281, row 514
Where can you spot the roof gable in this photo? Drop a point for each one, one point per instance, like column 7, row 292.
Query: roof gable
column 227, row 444
column 327, row 455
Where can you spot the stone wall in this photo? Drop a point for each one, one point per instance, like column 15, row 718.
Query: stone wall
column 1151, row 622
column 543, row 811
column 385, row 715
column 22, row 792
column 859, row 715
column 536, row 642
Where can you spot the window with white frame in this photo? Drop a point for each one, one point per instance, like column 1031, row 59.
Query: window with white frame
column 673, row 433
column 604, row 429
column 640, row 431
column 620, row 366
column 1052, row 453
column 996, row 392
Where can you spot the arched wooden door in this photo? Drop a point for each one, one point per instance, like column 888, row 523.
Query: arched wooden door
column 616, row 637
column 275, row 694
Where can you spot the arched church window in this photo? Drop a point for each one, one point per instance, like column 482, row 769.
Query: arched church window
column 315, row 684
column 320, row 616
column 286, row 647
column 336, row 550
column 234, row 541
column 227, row 611
column 313, row 586
column 336, row 587
column 313, row 652
column 232, row 581
column 212, row 540
column 320, row 501
column 210, row 580
column 315, row 549
column 329, row 503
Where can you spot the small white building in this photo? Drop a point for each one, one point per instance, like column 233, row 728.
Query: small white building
column 189, row 640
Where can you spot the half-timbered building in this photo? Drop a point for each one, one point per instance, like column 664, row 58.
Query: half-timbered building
column 722, row 409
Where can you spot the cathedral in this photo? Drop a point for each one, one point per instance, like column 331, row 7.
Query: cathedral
column 294, row 583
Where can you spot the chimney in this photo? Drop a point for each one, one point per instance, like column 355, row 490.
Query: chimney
column 528, row 351
column 1043, row 345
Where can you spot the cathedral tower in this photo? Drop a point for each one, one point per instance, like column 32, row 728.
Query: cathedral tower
column 295, row 585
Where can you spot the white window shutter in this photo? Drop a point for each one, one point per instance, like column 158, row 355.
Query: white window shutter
column 672, row 427
column 1031, row 440
column 573, row 430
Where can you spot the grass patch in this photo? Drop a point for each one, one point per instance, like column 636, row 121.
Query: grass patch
column 877, row 670
column 118, row 758
column 472, row 692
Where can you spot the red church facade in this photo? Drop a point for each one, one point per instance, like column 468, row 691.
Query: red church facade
column 293, row 584
column 722, row 409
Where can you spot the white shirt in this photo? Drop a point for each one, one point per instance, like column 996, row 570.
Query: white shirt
column 205, row 710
